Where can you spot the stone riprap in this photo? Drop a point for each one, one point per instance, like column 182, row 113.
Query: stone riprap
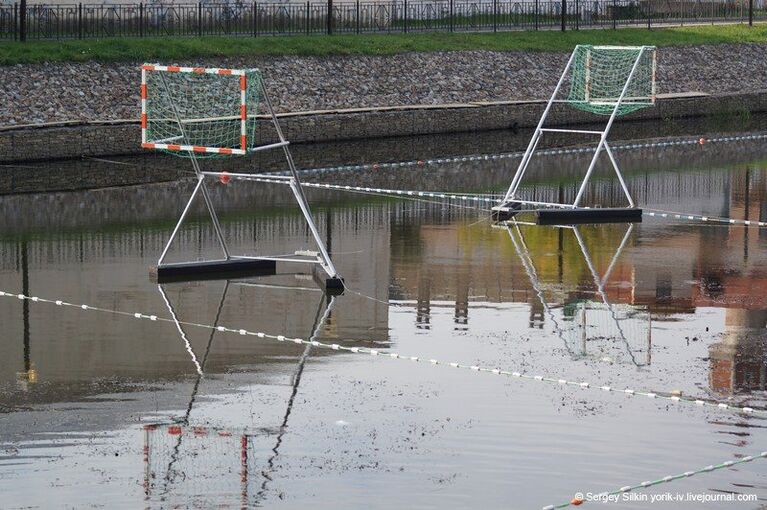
column 93, row 91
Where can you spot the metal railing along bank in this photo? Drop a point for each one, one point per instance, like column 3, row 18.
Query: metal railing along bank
column 22, row 21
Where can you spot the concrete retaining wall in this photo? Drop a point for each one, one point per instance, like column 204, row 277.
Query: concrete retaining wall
column 74, row 140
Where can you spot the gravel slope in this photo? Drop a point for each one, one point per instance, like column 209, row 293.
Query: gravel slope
column 96, row 91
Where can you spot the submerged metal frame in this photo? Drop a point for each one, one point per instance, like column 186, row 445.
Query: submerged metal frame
column 321, row 257
column 510, row 196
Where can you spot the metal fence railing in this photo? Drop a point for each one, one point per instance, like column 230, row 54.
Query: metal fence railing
column 21, row 21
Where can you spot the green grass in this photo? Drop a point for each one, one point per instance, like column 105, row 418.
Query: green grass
column 186, row 49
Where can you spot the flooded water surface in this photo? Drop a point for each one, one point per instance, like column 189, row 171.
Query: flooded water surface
column 100, row 409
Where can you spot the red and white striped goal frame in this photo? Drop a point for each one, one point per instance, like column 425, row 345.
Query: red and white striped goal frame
column 241, row 150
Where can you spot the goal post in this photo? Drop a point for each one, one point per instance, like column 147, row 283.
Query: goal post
column 611, row 81
column 200, row 113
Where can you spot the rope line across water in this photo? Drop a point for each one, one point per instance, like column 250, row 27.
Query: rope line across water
column 492, row 199
column 627, row 392
column 602, row 497
column 513, row 155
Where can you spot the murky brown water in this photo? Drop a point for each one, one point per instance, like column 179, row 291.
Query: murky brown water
column 665, row 305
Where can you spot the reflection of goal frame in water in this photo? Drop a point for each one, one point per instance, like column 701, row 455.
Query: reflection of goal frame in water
column 520, row 246
column 154, row 435
column 180, row 429
column 230, row 264
column 511, row 204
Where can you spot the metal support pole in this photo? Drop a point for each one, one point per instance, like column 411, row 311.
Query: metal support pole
column 405, row 14
column 452, row 21
column 495, row 15
column 330, row 17
column 80, row 19
column 295, row 185
column 308, row 17
column 618, row 173
column 358, row 15
column 181, row 219
column 141, row 19
column 751, row 13
column 603, row 138
column 196, row 166
column 615, row 14
column 534, row 140
column 536, row 14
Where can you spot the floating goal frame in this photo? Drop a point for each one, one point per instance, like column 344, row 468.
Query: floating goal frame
column 230, row 264
column 574, row 213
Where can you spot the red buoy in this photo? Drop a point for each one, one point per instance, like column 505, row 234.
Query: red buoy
column 224, row 178
column 702, row 141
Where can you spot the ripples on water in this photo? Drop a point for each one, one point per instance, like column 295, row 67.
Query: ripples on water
column 86, row 397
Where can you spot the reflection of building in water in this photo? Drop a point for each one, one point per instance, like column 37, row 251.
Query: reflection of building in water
column 739, row 361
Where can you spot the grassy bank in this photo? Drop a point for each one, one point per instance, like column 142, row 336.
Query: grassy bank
column 177, row 49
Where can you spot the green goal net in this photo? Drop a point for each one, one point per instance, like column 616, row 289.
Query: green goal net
column 199, row 111
column 599, row 74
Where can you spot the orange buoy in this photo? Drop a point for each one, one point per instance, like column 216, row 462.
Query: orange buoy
column 421, row 162
column 702, row 141
column 224, row 178
column 576, row 501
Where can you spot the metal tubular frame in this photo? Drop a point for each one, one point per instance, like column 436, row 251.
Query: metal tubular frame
column 511, row 193
column 322, row 257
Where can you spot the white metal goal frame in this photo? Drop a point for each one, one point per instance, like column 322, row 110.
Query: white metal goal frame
column 321, row 257
column 511, row 202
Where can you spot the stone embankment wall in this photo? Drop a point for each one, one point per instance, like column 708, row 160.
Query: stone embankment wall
column 70, row 110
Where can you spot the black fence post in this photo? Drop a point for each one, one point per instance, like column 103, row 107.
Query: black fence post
column 495, row 15
column 308, row 17
column 80, row 21
column 358, row 16
column 405, row 7
column 577, row 15
column 535, row 15
column 751, row 13
column 615, row 14
column 649, row 15
column 452, row 21
column 330, row 17
column 141, row 19
column 23, row 21
column 255, row 19
column 564, row 14
column 199, row 19
column 15, row 21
